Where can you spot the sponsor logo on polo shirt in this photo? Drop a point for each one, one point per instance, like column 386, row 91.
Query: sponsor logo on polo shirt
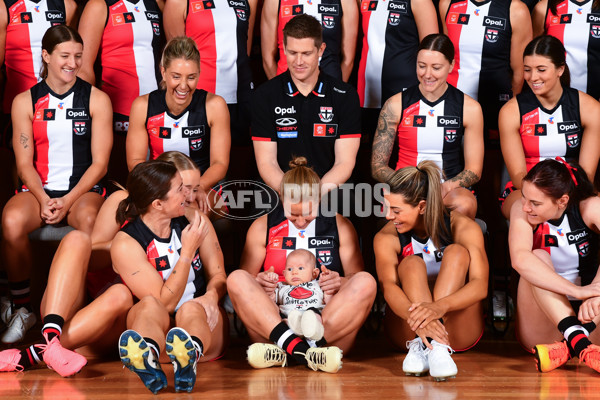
column 494, row 22
column 283, row 111
column 190, row 131
column 152, row 16
column 55, row 16
column 285, row 121
column 77, row 113
column 326, row 114
column 325, row 130
column 567, row 127
column 448, row 121
column 328, row 9
column 320, row 242
column 398, row 6
column 577, row 236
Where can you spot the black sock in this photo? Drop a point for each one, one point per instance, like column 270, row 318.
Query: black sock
column 283, row 336
column 322, row 342
column 20, row 293
column 4, row 291
column 197, row 340
column 30, row 357
column 53, row 324
column 575, row 335
column 590, row 326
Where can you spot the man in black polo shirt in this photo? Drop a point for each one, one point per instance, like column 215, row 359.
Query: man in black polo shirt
column 303, row 112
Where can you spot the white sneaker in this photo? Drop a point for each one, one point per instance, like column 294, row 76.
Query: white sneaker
column 415, row 362
column 294, row 321
column 20, row 322
column 441, row 365
column 265, row 355
column 312, row 327
column 327, row 359
column 5, row 309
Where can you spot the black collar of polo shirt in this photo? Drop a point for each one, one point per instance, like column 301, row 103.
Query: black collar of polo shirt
column 291, row 90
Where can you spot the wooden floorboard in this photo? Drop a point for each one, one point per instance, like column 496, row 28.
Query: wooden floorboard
column 496, row 368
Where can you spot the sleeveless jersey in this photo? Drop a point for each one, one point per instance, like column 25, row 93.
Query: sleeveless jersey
column 187, row 133
column 573, row 247
column 550, row 133
column 130, row 51
column 431, row 131
column 163, row 254
column 224, row 63
column 301, row 297
column 577, row 26
column 62, row 134
column 28, row 20
column 320, row 237
column 423, row 247
column 389, row 51
column 329, row 14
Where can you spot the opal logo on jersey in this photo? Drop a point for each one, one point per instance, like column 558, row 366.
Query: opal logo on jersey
column 448, row 122
column 55, row 16
column 577, row 235
column 399, row 6
column 195, row 144
column 282, row 111
column 494, row 22
column 591, row 18
column 238, row 4
column 152, row 16
column 568, row 127
column 491, row 35
column 77, row 113
column 328, row 21
column 394, row 19
column 450, row 135
column 190, row 131
column 241, row 14
column 595, row 31
column 286, row 121
column 320, row 242
column 328, row 9
column 326, row 114
column 79, row 128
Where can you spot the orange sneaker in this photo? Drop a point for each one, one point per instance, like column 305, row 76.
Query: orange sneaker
column 591, row 357
column 552, row 356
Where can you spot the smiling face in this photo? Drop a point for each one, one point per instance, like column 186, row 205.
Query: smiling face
column 303, row 58
column 174, row 204
column 64, row 62
column 432, row 71
column 541, row 74
column 540, row 207
column 299, row 268
column 404, row 216
column 181, row 78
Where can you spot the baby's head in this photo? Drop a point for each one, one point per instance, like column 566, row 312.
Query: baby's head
column 300, row 267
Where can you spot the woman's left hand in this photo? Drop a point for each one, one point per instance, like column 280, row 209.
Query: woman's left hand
column 60, row 206
column 210, row 302
column 202, row 200
column 329, row 281
column 422, row 314
column 589, row 310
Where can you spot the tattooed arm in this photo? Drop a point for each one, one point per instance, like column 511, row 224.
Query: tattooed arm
column 384, row 138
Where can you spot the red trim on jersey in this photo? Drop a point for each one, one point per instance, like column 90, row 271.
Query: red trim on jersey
column 361, row 84
column 261, row 139
column 40, row 137
column 531, row 142
column 408, row 138
column 552, row 24
column 153, row 128
column 353, row 135
column 454, row 30
column 538, row 237
column 208, row 57
column 152, row 254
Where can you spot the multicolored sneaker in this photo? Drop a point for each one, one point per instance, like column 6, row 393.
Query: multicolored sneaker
column 591, row 357
column 551, row 356
column 184, row 354
column 416, row 361
column 65, row 362
column 265, row 355
column 441, row 365
column 327, row 359
column 9, row 360
column 138, row 357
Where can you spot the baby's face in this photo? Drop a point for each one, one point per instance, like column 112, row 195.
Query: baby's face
column 298, row 270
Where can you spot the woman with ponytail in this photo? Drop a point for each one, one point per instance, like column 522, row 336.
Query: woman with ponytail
column 433, row 270
column 553, row 241
column 297, row 223
column 548, row 120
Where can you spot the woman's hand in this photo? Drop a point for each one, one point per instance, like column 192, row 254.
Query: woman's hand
column 436, row 331
column 193, row 235
column 589, row 310
column 268, row 280
column 421, row 314
column 59, row 207
column 588, row 291
column 210, row 303
column 329, row 281
column 202, row 200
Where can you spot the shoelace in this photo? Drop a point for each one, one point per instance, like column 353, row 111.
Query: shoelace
column 315, row 359
column 443, row 346
column 275, row 355
column 589, row 353
column 414, row 344
column 556, row 351
column 15, row 364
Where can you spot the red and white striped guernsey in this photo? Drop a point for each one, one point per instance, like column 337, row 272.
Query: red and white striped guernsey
column 62, row 134
column 28, row 20
column 320, row 237
column 389, row 51
column 577, row 26
column 550, row 133
column 220, row 30
column 431, row 131
column 187, row 133
column 329, row 14
column 130, row 51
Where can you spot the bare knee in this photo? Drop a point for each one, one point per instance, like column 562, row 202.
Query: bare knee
column 120, row 297
column 238, row 281
column 364, row 286
column 456, row 256
column 13, row 224
column 85, row 220
column 189, row 310
column 411, row 265
column 150, row 305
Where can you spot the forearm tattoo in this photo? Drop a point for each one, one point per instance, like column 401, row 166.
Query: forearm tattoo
column 24, row 139
column 383, row 143
column 466, row 178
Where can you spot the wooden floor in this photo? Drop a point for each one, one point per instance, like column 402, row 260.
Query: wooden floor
column 494, row 369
